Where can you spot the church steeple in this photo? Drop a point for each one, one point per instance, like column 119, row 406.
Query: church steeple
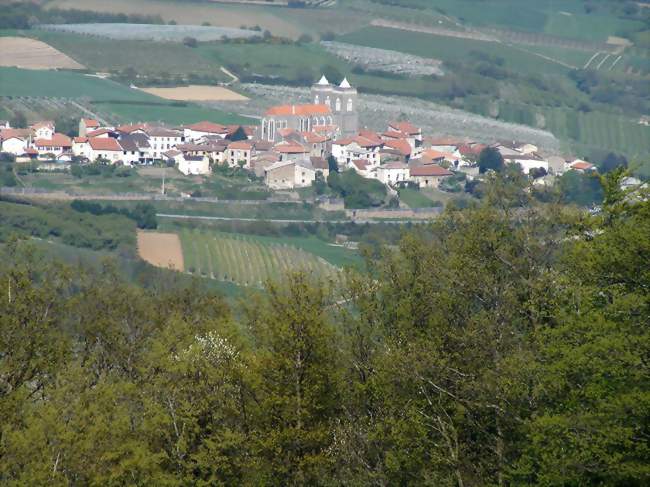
column 323, row 81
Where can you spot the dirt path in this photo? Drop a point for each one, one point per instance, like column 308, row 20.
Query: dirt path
column 234, row 79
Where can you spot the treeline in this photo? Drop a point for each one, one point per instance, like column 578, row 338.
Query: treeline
column 143, row 214
column 501, row 345
column 61, row 223
column 24, row 15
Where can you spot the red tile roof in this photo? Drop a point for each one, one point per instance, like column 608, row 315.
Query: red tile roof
column 430, row 170
column 312, row 138
column 400, row 145
column 208, row 127
column 104, row 144
column 240, row 145
column 302, row 110
column 131, row 128
column 90, row 122
column 582, row 165
column 57, row 140
column 96, row 133
column 45, row 123
column 361, row 164
column 368, row 134
column 80, row 140
column 405, row 127
column 17, row 133
column 290, row 148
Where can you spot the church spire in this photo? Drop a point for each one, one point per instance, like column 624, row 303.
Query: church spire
column 323, row 81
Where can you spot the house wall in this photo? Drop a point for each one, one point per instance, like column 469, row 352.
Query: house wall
column 14, row 146
column 194, row 167
column 281, row 178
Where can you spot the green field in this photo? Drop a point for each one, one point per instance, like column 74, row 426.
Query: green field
column 108, row 97
column 167, row 59
column 246, row 260
column 415, row 198
column 449, row 48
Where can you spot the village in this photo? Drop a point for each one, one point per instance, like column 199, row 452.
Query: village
column 292, row 144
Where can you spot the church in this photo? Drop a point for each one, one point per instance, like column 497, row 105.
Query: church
column 333, row 107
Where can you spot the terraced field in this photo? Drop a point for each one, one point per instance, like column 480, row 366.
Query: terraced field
column 246, row 260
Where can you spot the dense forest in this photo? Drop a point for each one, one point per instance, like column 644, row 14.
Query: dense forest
column 505, row 344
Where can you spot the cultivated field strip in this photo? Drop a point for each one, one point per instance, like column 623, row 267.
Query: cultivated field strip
column 244, row 260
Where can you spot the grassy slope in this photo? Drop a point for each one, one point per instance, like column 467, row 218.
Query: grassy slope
column 108, row 96
column 251, row 260
column 149, row 58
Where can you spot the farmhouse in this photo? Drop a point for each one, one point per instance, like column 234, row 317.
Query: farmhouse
column 429, row 176
column 162, row 139
column 290, row 174
column 239, row 152
column 581, row 166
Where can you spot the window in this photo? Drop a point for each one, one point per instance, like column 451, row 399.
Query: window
column 338, row 104
column 349, row 107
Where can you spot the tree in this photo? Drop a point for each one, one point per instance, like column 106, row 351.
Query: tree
column 305, row 39
column 319, row 184
column 239, row 134
column 332, row 164
column 490, row 159
column 299, row 384
column 591, row 373
column 19, row 120
column 190, row 41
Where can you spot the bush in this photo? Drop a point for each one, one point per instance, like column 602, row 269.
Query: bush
column 190, row 42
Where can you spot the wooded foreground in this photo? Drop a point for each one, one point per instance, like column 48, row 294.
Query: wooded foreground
column 495, row 347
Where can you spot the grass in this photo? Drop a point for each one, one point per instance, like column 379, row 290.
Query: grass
column 449, row 48
column 148, row 58
column 415, row 198
column 108, row 97
column 280, row 21
column 246, row 260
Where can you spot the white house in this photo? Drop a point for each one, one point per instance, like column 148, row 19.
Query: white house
column 393, row 173
column 527, row 162
column 580, row 166
column 105, row 148
column 43, row 130
column 15, row 141
column 199, row 130
column 162, row 139
column 355, row 148
column 193, row 165
column 429, row 176
column 57, row 144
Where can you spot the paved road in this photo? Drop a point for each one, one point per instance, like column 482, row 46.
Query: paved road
column 276, row 220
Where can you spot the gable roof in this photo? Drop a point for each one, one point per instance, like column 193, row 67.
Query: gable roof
column 301, row 110
column 43, row 124
column 290, row 148
column 208, row 127
column 98, row 132
column 361, row 164
column 57, row 140
column 240, row 145
column 319, row 163
column 90, row 122
column 430, row 170
column 400, row 145
column 104, row 144
column 405, row 127
column 6, row 134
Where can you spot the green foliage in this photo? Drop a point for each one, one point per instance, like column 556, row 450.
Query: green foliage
column 62, row 223
column 503, row 344
column 356, row 191
column 583, row 189
column 490, row 159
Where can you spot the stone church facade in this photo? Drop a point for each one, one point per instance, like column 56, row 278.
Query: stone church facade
column 332, row 105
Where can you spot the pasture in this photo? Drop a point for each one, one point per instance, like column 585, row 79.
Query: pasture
column 196, row 93
column 246, row 260
column 21, row 52
column 161, row 250
column 158, row 59
column 107, row 97
column 285, row 22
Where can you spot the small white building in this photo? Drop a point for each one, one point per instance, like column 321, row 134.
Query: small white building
column 43, row 130
column 194, row 165
column 162, row 139
column 393, row 173
column 527, row 162
column 105, row 148
column 12, row 142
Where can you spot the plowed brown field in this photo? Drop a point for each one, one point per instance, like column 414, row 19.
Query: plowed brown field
column 161, row 249
column 26, row 53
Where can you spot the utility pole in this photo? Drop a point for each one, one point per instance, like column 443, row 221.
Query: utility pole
column 163, row 181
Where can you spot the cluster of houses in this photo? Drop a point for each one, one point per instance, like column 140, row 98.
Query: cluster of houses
column 292, row 144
